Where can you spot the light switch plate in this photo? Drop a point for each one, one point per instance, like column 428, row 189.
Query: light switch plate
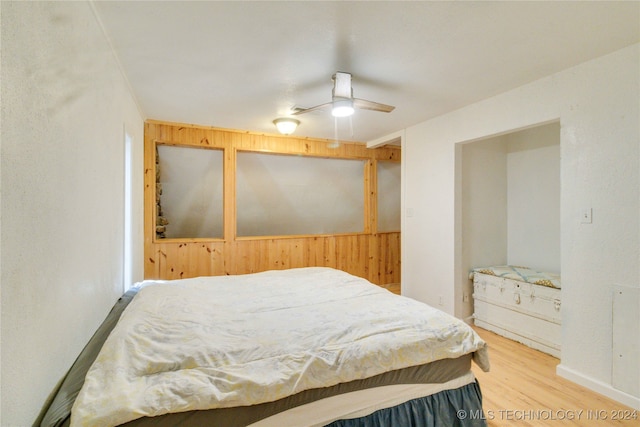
column 585, row 216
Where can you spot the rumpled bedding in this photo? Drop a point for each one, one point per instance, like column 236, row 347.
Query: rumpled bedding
column 522, row 274
column 215, row 342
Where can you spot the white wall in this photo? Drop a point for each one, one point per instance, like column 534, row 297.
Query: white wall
column 510, row 204
column 288, row 195
column 65, row 107
column 484, row 210
column 597, row 105
column 533, row 194
column 192, row 191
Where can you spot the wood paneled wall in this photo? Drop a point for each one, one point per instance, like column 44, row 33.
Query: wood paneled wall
column 374, row 256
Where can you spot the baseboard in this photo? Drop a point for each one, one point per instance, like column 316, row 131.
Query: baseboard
column 598, row 386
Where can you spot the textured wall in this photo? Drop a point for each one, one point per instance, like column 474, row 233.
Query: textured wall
column 533, row 176
column 65, row 108
column 597, row 105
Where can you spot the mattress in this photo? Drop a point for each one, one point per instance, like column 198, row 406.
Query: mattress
column 400, row 367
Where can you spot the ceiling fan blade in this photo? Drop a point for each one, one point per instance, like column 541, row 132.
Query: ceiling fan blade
column 342, row 91
column 370, row 105
column 298, row 110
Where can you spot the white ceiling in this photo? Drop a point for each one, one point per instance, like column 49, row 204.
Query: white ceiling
column 240, row 65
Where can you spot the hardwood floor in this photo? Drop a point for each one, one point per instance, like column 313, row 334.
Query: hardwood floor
column 522, row 389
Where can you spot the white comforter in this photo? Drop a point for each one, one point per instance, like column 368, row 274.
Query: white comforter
column 214, row 342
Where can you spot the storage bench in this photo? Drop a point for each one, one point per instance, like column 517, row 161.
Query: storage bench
column 519, row 303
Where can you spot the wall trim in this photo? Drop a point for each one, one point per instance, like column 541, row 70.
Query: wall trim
column 393, row 138
column 598, row 386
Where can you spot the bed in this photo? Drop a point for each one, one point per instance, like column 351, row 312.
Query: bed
column 520, row 303
column 301, row 347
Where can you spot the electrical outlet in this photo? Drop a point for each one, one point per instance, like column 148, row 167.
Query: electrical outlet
column 440, row 301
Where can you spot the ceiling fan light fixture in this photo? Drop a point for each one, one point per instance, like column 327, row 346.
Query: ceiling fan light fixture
column 286, row 125
column 342, row 108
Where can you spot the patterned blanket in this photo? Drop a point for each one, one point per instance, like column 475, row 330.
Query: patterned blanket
column 523, row 274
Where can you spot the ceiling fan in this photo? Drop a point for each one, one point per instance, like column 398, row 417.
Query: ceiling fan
column 343, row 103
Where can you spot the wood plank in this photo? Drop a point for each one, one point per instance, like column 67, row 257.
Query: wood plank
column 373, row 256
column 393, row 287
column 523, row 390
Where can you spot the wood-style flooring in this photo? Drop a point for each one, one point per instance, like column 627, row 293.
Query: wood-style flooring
column 522, row 389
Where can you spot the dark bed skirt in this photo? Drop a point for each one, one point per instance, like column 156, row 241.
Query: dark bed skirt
column 461, row 407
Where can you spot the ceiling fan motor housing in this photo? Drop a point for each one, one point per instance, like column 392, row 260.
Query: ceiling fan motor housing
column 342, row 86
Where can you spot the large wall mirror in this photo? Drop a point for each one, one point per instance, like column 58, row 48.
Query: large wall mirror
column 388, row 196
column 189, row 192
column 279, row 195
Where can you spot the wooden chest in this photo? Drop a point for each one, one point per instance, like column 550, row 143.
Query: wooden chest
column 522, row 311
